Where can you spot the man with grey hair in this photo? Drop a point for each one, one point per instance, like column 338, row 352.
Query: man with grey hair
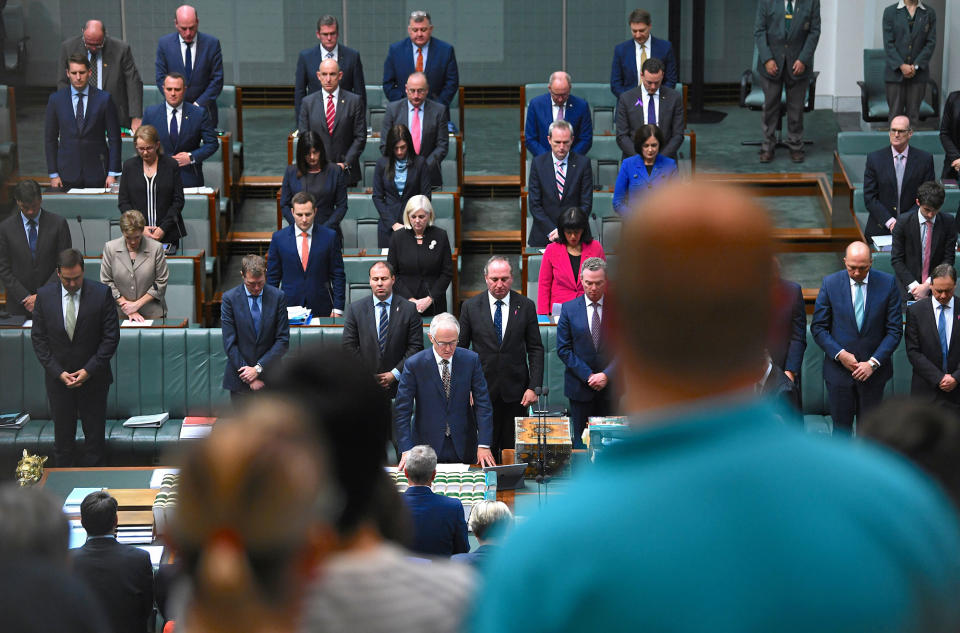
column 557, row 104
column 256, row 330
column 582, row 347
column 502, row 327
column 307, row 82
column 439, row 527
column 442, row 381
column 559, row 179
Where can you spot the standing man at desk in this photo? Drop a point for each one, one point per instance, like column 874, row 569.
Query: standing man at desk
column 197, row 57
column 75, row 334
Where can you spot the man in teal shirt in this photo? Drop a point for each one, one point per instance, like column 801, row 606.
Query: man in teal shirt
column 715, row 516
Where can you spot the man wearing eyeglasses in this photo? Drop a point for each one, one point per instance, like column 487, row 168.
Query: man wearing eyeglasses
column 427, row 121
column 892, row 177
column 111, row 69
column 558, row 105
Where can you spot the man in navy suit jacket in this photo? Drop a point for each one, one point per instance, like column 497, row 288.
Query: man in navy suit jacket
column 77, row 119
column 192, row 140
column 445, row 419
column 314, row 279
column 558, row 104
column 308, row 63
column 544, row 200
column 789, row 329
column 421, row 52
column 935, row 358
column 197, row 57
column 884, row 198
column 583, row 349
column 256, row 331
column 909, row 237
column 74, row 338
column 629, row 56
column 858, row 323
column 439, row 526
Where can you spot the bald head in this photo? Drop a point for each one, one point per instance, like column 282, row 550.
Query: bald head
column 186, row 22
column 695, row 282
column 329, row 75
column 93, row 28
column 857, row 260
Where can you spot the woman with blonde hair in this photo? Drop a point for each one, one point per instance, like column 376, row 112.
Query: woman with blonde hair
column 420, row 255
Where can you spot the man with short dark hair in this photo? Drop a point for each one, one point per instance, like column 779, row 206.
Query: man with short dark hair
column 427, row 121
column 933, row 342
column 197, row 57
column 348, row 59
column 30, row 242
column 629, row 56
column 557, row 104
column 559, row 179
column 920, row 246
column 421, row 52
column 75, row 334
column 650, row 103
column 119, row 575
column 77, row 120
column 439, row 524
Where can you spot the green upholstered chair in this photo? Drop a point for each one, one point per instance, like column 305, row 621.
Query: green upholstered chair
column 873, row 91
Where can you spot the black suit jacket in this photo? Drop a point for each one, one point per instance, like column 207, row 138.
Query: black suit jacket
column 422, row 270
column 516, row 364
column 169, row 195
column 434, row 135
column 880, row 186
column 923, row 350
column 404, row 335
column 120, row 76
column 308, row 63
column 95, row 336
column 20, row 273
column 121, row 577
column 349, row 129
column 778, row 387
column 543, row 200
column 630, row 117
column 906, row 254
column 389, row 202
column 950, row 134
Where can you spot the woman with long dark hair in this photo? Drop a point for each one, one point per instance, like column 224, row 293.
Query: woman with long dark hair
column 313, row 173
column 400, row 174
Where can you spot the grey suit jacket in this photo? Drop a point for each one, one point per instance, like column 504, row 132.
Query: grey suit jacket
column 349, row 129
column 132, row 279
column 629, row 118
column 773, row 42
column 404, row 335
column 903, row 46
column 120, row 76
column 434, row 140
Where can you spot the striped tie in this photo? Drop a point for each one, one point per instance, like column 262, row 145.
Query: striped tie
column 331, row 114
column 382, row 330
column 561, row 178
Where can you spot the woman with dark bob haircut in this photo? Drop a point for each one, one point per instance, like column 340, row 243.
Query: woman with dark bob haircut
column 644, row 171
column 559, row 280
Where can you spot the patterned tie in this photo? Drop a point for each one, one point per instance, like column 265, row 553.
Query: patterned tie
column 858, row 305
column 559, row 113
column 942, row 329
column 927, row 244
column 788, row 17
column 93, row 69
column 561, row 179
column 32, row 237
column 331, row 114
column 498, row 321
column 415, row 129
column 595, row 325
column 419, row 60
column 71, row 319
column 899, row 166
column 255, row 313
column 188, row 63
column 382, row 330
column 651, row 109
column 329, row 55
column 304, row 250
column 174, row 129
column 80, row 96
column 445, row 376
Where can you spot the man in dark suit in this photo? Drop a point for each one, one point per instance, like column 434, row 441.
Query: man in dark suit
column 339, row 117
column 427, row 121
column 503, row 329
column 305, row 262
column 439, row 525
column 776, row 385
column 112, row 68
column 789, row 329
column 442, row 380
column 119, row 575
column 197, row 57
column 185, row 130
column 30, row 242
column 77, row 120
column 933, row 346
column 422, row 53
column 547, row 198
column 950, row 136
column 75, row 334
column 909, row 38
column 583, row 350
column 650, row 102
column 385, row 331
column 785, row 45
column 256, row 331
column 307, row 82
column 923, row 241
column 857, row 322
column 557, row 105
column 629, row 56
column 892, row 177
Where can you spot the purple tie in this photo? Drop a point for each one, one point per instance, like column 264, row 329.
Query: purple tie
column 651, row 111
column 559, row 113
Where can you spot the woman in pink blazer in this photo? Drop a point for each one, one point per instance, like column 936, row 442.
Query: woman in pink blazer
column 560, row 269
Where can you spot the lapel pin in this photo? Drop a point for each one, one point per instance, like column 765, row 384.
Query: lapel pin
column 432, row 244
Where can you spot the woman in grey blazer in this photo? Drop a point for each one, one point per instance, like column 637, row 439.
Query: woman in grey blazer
column 135, row 268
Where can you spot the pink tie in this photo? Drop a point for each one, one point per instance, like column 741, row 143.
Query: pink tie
column 927, row 243
column 331, row 114
column 415, row 129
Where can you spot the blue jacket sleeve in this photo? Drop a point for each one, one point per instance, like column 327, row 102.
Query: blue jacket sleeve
column 337, row 276
column 565, row 347
column 585, row 137
column 894, row 326
column 228, row 326
column 282, row 341
column 215, row 87
column 113, row 139
column 403, row 408
column 340, row 204
column 617, row 86
column 482, row 404
column 391, row 84
column 209, row 136
column 274, row 265
column 820, row 325
column 621, row 190
column 300, row 85
column 532, row 134
column 109, row 336
column 451, row 82
column 291, row 185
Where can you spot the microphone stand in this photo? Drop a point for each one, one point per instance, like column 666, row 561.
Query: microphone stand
column 542, row 478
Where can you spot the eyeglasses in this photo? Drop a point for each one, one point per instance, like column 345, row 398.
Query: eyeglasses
column 417, row 91
column 899, row 132
column 445, row 343
column 93, row 45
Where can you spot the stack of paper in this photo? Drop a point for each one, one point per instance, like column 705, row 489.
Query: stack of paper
column 87, row 190
column 154, row 420
column 195, row 427
column 162, row 477
column 298, row 315
column 133, row 534
column 13, row 420
column 132, row 323
column 75, row 498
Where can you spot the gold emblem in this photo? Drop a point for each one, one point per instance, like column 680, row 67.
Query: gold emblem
column 30, row 468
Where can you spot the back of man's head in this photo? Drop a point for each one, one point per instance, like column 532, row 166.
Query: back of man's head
column 32, row 525
column 98, row 513
column 421, row 465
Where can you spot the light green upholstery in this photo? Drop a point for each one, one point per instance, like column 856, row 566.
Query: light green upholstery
column 873, row 91
column 532, row 268
column 604, row 158
column 376, row 108
column 853, row 147
column 181, row 296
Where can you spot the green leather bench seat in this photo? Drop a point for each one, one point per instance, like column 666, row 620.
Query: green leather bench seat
column 873, row 92
column 853, row 147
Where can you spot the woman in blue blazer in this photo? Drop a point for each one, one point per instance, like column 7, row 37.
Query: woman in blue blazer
column 312, row 172
column 643, row 171
column 400, row 175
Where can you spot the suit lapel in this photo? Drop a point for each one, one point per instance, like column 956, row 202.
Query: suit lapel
column 314, row 250
column 247, row 317
column 339, row 114
column 513, row 319
column 435, row 375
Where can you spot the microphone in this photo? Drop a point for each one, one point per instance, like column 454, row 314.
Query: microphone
column 82, row 235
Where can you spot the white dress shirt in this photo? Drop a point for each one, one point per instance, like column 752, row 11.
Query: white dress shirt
column 638, row 53
column 554, row 108
column 646, row 104
column 439, row 359
column 26, row 225
column 326, row 100
column 299, row 240
column 590, row 311
column 335, row 52
column 853, row 303
column 947, row 316
column 504, row 311
column 193, row 52
column 63, row 303
column 923, row 229
column 424, row 49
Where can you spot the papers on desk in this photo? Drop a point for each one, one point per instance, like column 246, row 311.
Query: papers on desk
column 27, row 323
column 384, row 251
column 132, row 323
column 154, row 420
column 160, row 474
column 883, row 242
column 135, row 534
column 298, row 315
column 195, row 427
column 88, row 190
column 78, row 536
column 197, row 190
column 72, row 504
column 14, row 420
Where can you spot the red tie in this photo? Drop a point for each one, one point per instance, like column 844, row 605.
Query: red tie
column 419, row 60
column 304, row 250
column 415, row 129
column 331, row 114
column 927, row 243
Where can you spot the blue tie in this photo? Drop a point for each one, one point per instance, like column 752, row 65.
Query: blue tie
column 384, row 322
column 255, row 313
column 858, row 306
column 651, row 111
column 188, row 63
column 174, row 130
column 79, row 110
column 498, row 321
column 942, row 327
column 32, row 236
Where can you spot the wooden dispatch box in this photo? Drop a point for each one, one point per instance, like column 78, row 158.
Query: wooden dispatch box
column 558, row 444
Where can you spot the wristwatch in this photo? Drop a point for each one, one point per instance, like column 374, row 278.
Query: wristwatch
column 874, row 364
column 259, row 368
